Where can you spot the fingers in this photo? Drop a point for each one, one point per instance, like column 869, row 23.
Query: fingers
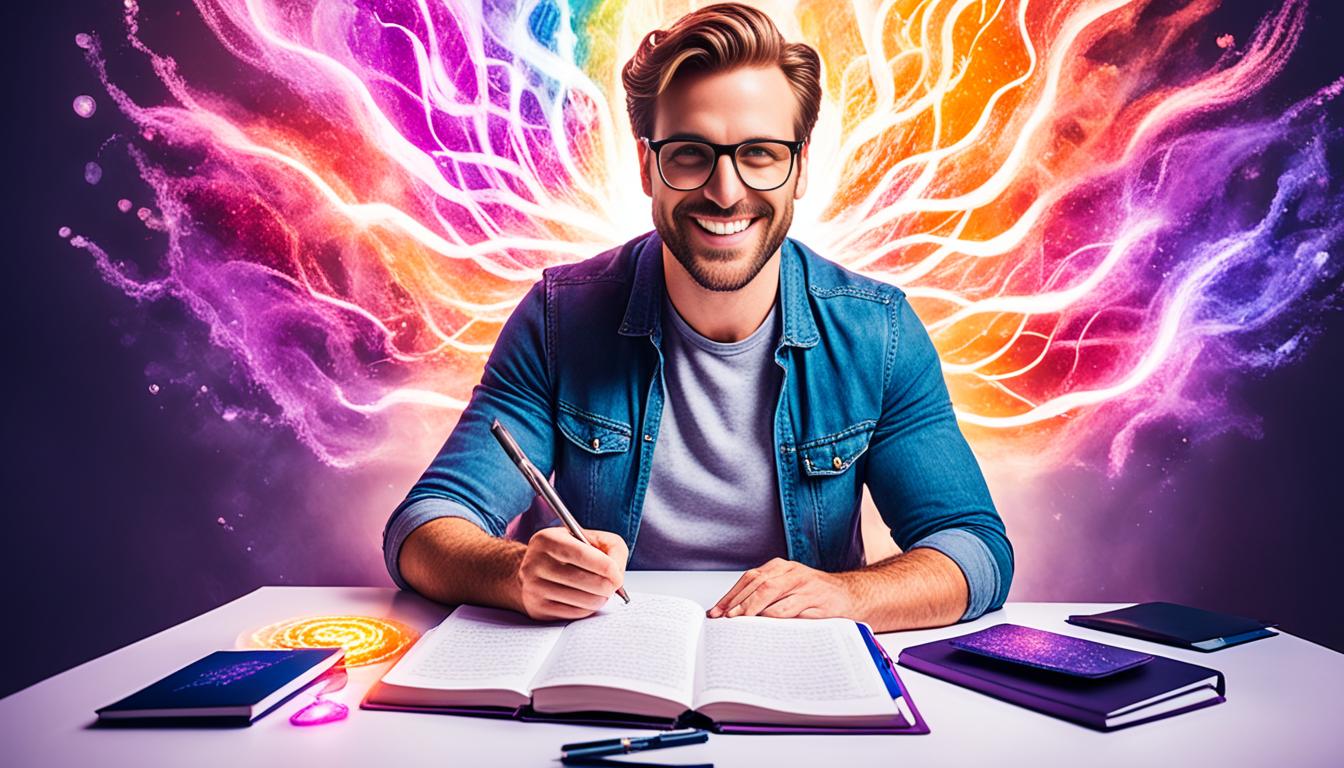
column 561, row 545
column 564, row 594
column 564, row 578
column 783, row 589
column 574, row 576
column 747, row 580
column 543, row 598
column 788, row 607
column 616, row 550
column 613, row 545
column 747, row 585
column 766, row 594
column 549, row 610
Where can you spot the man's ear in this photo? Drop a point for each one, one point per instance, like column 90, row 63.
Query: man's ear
column 801, row 186
column 645, row 179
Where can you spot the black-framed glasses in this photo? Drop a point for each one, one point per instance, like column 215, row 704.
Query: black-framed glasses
column 688, row 164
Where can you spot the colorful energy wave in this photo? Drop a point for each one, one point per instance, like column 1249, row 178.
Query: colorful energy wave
column 366, row 640
column 1094, row 205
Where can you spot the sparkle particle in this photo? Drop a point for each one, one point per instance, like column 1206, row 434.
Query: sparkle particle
column 85, row 106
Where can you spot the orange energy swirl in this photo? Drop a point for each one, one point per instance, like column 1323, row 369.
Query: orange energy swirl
column 366, row 640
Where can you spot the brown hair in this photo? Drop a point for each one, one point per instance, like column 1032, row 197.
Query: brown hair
column 714, row 39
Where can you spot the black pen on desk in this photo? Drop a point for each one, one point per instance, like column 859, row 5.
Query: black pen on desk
column 606, row 747
column 542, row 487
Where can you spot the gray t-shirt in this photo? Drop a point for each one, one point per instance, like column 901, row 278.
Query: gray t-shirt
column 713, row 497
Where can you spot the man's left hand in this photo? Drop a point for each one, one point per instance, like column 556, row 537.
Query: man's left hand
column 785, row 589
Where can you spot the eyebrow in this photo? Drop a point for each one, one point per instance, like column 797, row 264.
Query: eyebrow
column 697, row 137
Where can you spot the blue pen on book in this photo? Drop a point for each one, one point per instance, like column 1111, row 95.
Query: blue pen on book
column 585, row 750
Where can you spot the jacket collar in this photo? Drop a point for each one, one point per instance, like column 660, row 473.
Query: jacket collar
column 646, row 293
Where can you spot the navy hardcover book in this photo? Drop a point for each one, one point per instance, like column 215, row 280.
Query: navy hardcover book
column 1178, row 625
column 226, row 686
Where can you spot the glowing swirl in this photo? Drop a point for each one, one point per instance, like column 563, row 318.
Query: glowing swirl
column 366, row 640
column 1081, row 197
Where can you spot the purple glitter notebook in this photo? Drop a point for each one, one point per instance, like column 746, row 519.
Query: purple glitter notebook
column 1050, row 651
column 1160, row 688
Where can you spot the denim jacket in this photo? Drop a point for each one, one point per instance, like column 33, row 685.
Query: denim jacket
column 576, row 376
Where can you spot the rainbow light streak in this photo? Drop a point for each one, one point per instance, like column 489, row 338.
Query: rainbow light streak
column 366, row 640
column 1081, row 199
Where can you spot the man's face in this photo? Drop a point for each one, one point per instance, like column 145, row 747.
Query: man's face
column 724, row 108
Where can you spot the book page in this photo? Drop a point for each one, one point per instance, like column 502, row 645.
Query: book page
column 478, row 648
column 648, row 646
column 806, row 666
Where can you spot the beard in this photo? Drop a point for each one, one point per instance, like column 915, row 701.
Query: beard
column 722, row 269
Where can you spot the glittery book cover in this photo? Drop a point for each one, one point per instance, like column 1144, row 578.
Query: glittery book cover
column 226, row 684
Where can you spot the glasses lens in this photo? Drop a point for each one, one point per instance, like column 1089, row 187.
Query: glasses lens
column 686, row 164
column 764, row 164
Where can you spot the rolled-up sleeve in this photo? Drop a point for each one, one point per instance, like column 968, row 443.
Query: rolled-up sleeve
column 925, row 481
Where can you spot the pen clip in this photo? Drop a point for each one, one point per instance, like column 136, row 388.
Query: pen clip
column 664, row 739
column 507, row 442
column 589, row 744
column 516, row 455
column 603, row 762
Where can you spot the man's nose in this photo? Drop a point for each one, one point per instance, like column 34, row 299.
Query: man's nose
column 724, row 188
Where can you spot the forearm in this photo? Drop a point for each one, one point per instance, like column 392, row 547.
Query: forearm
column 453, row 561
column 919, row 588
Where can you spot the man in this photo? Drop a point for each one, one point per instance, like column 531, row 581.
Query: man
column 713, row 395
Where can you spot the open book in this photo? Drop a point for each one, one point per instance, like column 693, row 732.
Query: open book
column 656, row 661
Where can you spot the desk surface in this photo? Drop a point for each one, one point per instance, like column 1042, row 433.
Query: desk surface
column 1281, row 708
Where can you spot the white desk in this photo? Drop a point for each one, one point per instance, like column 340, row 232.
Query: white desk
column 1282, row 707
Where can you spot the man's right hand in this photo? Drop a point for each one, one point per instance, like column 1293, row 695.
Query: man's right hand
column 560, row 577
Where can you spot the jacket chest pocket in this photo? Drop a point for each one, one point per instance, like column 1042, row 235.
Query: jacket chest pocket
column 593, row 462
column 834, row 454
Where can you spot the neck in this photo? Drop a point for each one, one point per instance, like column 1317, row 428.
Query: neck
column 724, row 316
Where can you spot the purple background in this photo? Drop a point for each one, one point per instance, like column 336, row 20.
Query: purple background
column 113, row 494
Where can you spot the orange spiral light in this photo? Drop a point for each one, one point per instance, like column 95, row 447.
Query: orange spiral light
column 366, row 640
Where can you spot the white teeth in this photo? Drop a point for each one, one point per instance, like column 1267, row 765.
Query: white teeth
column 723, row 227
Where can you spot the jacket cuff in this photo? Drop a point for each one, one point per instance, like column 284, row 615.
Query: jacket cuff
column 972, row 556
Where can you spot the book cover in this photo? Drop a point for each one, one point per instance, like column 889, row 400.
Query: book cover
column 228, row 685
column 1178, row 625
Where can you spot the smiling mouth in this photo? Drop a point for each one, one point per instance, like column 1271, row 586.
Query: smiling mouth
column 720, row 227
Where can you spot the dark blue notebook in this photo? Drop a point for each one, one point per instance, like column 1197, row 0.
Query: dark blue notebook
column 226, row 686
column 1178, row 625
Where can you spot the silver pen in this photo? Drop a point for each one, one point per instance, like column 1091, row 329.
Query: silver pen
column 542, row 487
